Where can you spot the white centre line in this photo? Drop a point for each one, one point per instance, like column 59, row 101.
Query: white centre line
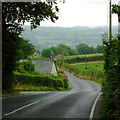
column 21, row 108
column 29, row 105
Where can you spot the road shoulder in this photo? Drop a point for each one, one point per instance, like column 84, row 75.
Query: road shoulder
column 97, row 107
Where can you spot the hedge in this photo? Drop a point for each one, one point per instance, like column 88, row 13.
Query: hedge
column 41, row 80
column 81, row 59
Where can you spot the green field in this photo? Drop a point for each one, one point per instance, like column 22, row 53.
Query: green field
column 94, row 71
column 88, row 55
column 80, row 58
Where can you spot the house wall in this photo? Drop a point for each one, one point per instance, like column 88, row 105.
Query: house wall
column 53, row 70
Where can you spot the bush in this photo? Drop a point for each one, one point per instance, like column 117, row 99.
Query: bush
column 26, row 67
column 41, row 80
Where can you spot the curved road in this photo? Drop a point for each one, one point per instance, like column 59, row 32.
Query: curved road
column 76, row 103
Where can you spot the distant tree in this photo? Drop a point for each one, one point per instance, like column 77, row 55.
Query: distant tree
column 56, row 50
column 59, row 50
column 72, row 52
column 99, row 49
column 67, row 50
column 92, row 50
column 46, row 52
column 14, row 15
column 64, row 46
column 83, row 49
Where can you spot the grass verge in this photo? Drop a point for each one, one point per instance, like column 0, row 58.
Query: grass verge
column 26, row 87
column 10, row 93
column 94, row 71
column 18, row 88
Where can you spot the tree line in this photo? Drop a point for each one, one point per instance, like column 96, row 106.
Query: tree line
column 80, row 49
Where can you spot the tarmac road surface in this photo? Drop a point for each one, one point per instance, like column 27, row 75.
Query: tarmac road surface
column 76, row 103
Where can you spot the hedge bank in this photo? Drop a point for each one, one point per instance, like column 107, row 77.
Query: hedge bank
column 41, row 80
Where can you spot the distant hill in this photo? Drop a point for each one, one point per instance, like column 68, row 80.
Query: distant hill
column 45, row 37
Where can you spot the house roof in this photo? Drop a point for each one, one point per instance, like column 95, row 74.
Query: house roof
column 58, row 57
column 44, row 66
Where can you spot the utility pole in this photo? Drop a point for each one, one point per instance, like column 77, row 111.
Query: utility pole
column 85, row 61
column 110, row 23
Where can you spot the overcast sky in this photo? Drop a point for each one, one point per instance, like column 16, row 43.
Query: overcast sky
column 83, row 13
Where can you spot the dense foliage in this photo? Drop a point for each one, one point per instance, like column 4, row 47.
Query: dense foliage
column 41, row 80
column 14, row 15
column 111, row 87
column 26, row 67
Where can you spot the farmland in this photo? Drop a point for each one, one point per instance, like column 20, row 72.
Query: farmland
column 88, row 55
column 94, row 71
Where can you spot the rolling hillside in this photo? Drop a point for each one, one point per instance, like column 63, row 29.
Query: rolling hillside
column 45, row 37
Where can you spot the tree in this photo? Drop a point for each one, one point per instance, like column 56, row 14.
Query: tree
column 116, row 10
column 99, row 49
column 26, row 49
column 59, row 50
column 83, row 49
column 46, row 52
column 14, row 15
column 111, row 87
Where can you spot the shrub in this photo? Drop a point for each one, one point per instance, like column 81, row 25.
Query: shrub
column 42, row 79
column 26, row 67
column 60, row 71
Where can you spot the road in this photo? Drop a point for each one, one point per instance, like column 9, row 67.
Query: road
column 76, row 103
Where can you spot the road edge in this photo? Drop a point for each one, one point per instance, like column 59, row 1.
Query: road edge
column 94, row 106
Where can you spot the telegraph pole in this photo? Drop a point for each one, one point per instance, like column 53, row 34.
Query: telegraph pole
column 85, row 61
column 110, row 23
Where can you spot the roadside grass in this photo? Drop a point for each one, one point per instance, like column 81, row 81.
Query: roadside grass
column 18, row 88
column 9, row 93
column 94, row 71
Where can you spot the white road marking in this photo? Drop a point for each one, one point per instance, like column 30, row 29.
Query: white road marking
column 21, row 108
column 93, row 107
column 29, row 105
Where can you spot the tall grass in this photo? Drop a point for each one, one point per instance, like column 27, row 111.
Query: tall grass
column 94, row 71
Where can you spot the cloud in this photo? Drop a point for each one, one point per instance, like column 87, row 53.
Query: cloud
column 82, row 13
